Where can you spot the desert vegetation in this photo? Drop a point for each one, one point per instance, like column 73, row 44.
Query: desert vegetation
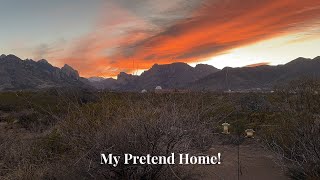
column 59, row 134
column 295, row 138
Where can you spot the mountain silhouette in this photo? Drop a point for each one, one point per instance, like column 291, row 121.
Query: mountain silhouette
column 260, row 77
column 169, row 76
column 17, row 74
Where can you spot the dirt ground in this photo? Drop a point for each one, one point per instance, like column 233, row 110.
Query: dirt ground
column 256, row 163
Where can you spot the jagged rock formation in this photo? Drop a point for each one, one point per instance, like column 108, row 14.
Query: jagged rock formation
column 17, row 74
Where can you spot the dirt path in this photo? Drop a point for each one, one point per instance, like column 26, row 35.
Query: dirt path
column 256, row 163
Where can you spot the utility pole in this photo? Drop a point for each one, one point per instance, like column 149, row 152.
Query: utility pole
column 239, row 169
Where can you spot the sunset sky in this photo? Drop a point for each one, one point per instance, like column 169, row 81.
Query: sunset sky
column 105, row 37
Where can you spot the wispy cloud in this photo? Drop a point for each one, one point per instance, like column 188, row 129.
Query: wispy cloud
column 164, row 31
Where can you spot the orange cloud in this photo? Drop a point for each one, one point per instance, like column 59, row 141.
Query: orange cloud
column 258, row 64
column 130, row 41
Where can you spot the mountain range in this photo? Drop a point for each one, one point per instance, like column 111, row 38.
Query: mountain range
column 17, row 74
column 260, row 77
column 206, row 77
column 168, row 76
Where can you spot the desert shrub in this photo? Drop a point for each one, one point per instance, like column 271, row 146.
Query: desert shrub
column 154, row 125
column 118, row 123
column 253, row 102
column 296, row 141
column 297, row 128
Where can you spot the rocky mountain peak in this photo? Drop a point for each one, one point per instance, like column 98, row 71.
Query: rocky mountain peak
column 317, row 58
column 66, row 66
column 43, row 61
column 124, row 76
column 167, row 68
column 298, row 61
column 18, row 74
column 155, row 65
column 12, row 57
column 70, row 72
column 205, row 67
column 3, row 56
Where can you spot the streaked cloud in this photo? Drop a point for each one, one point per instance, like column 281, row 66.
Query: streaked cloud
column 258, row 64
column 135, row 34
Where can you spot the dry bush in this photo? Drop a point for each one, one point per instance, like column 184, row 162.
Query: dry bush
column 295, row 138
column 140, row 124
column 296, row 141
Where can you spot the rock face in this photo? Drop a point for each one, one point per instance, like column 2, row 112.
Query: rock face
column 70, row 72
column 17, row 74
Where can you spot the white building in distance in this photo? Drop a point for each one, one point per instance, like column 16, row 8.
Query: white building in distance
column 158, row 89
